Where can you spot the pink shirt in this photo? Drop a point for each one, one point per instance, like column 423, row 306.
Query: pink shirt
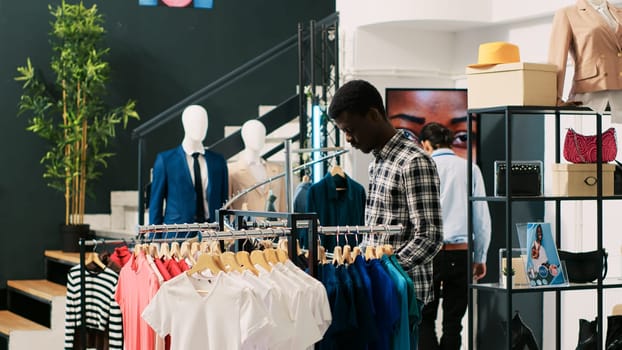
column 137, row 285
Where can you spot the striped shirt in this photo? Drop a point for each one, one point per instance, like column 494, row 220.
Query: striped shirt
column 404, row 189
column 102, row 311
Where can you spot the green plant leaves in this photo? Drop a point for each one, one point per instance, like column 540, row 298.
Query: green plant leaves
column 71, row 113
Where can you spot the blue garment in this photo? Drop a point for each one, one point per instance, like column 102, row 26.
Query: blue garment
column 341, row 306
column 401, row 337
column 452, row 171
column 172, row 182
column 337, row 208
column 385, row 302
column 414, row 306
column 300, row 197
column 300, row 206
column 366, row 331
column 359, row 263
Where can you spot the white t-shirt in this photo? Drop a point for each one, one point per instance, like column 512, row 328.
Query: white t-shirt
column 321, row 306
column 306, row 332
column 210, row 313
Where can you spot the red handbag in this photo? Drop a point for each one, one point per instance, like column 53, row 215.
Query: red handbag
column 582, row 149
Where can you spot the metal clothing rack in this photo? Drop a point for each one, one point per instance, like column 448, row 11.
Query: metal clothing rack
column 208, row 231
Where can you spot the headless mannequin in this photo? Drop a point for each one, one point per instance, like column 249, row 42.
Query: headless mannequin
column 173, row 198
column 251, row 169
column 254, row 137
column 590, row 35
column 194, row 120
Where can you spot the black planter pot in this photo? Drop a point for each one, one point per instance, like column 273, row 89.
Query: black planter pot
column 71, row 235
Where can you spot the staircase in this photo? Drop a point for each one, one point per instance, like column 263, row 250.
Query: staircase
column 36, row 308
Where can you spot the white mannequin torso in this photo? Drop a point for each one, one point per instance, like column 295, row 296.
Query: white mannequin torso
column 254, row 137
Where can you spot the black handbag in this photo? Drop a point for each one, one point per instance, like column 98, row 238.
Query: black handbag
column 522, row 335
column 525, row 179
column 584, row 267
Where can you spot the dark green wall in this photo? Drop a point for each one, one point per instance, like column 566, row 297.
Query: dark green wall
column 158, row 57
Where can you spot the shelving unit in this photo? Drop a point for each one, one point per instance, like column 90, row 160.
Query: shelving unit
column 508, row 113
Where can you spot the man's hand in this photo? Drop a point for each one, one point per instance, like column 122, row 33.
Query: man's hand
column 479, row 271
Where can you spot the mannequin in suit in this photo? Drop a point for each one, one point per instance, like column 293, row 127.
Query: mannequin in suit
column 251, row 169
column 173, row 198
column 590, row 33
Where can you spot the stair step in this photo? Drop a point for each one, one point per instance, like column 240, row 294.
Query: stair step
column 63, row 257
column 12, row 322
column 40, row 289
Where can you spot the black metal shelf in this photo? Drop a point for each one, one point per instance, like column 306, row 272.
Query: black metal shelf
column 607, row 284
column 543, row 198
column 508, row 113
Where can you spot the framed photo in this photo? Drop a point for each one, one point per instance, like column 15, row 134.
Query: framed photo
column 542, row 263
column 410, row 109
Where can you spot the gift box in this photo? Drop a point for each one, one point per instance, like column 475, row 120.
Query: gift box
column 581, row 180
column 512, row 84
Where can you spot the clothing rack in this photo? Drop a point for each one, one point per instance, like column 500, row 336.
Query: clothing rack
column 208, row 231
column 175, row 228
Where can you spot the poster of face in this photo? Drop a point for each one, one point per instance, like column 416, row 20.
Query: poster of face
column 410, row 109
column 543, row 264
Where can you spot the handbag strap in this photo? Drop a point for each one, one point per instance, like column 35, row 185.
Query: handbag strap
column 604, row 263
column 576, row 145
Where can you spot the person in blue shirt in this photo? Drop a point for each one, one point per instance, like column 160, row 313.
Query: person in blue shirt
column 451, row 274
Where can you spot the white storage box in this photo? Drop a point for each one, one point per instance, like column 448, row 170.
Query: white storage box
column 512, row 84
column 581, row 180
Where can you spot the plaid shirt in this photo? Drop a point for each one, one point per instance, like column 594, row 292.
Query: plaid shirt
column 404, row 189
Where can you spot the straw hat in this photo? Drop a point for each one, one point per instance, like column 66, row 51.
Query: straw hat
column 495, row 53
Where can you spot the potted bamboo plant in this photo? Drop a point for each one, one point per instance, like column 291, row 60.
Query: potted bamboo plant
column 70, row 112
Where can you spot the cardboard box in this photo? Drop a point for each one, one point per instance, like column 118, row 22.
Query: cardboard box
column 580, row 179
column 512, row 84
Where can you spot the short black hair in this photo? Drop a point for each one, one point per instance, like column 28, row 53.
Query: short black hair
column 439, row 135
column 356, row 96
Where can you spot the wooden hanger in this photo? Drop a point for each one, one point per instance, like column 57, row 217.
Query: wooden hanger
column 185, row 251
column 229, row 262
column 337, row 256
column 205, row 262
column 154, row 250
column 244, row 260
column 175, row 251
column 306, row 178
column 270, row 255
column 204, row 247
column 337, row 171
column 322, row 255
column 164, row 250
column 258, row 258
column 355, row 252
column 379, row 251
column 370, row 252
column 388, row 249
column 617, row 310
column 347, row 254
column 94, row 258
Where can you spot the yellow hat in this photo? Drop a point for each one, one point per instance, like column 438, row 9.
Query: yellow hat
column 495, row 53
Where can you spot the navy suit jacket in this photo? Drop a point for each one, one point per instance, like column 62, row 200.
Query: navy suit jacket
column 172, row 182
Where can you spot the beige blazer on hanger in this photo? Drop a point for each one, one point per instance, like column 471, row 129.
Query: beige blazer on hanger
column 582, row 32
column 241, row 178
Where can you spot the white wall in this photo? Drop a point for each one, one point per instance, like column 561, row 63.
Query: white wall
column 418, row 43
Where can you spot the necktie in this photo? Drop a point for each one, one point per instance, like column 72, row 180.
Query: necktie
column 198, row 189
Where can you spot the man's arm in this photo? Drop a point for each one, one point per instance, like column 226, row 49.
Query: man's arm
column 422, row 188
